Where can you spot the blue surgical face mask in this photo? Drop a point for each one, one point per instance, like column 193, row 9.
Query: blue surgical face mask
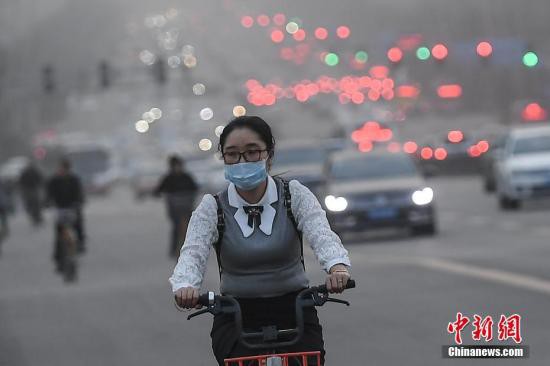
column 246, row 176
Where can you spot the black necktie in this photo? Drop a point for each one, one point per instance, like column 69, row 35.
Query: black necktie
column 254, row 212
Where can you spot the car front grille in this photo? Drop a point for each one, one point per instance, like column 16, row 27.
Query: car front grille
column 379, row 199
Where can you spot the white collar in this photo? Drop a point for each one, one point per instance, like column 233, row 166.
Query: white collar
column 268, row 214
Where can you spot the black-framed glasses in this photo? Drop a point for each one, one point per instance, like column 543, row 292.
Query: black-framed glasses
column 250, row 156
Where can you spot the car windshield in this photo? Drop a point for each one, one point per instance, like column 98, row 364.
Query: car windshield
column 531, row 145
column 373, row 167
column 89, row 162
column 299, row 156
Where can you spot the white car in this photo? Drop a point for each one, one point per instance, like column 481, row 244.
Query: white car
column 523, row 167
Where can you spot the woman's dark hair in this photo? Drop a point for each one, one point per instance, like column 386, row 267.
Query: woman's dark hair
column 253, row 123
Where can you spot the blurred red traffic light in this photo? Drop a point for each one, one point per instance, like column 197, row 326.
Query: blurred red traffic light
column 277, row 36
column 440, row 51
column 455, row 136
column 247, row 21
column 440, row 153
column 395, row 54
column 534, row 112
column 321, row 33
column 358, row 97
column 343, row 32
column 484, row 49
column 410, row 147
column 300, row 35
column 263, row 20
column 426, row 153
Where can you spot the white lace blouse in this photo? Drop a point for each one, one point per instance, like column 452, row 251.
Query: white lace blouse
column 202, row 233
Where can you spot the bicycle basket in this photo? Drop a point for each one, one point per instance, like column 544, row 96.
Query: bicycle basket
column 280, row 359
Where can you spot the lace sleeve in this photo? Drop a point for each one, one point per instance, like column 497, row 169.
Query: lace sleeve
column 201, row 233
column 312, row 221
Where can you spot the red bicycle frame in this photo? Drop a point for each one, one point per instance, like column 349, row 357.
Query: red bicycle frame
column 283, row 359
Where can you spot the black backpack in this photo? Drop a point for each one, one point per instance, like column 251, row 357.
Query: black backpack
column 287, row 203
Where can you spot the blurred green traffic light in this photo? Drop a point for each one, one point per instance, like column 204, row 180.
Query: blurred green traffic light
column 361, row 57
column 530, row 59
column 332, row 59
column 423, row 53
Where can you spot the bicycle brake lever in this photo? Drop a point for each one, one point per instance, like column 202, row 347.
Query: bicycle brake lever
column 318, row 299
column 200, row 312
column 331, row 299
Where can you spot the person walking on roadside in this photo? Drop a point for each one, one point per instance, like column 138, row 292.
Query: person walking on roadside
column 179, row 189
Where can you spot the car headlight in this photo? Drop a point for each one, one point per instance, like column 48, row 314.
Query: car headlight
column 336, row 204
column 423, row 197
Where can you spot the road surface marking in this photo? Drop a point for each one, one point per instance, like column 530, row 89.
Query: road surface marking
column 494, row 275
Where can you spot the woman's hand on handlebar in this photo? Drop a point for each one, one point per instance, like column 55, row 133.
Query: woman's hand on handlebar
column 337, row 279
column 187, row 297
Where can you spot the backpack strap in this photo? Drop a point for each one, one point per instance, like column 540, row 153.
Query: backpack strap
column 221, row 228
column 288, row 205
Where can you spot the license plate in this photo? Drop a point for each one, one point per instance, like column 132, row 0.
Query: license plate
column 383, row 213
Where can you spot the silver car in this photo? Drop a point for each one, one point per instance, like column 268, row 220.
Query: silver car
column 378, row 189
column 523, row 167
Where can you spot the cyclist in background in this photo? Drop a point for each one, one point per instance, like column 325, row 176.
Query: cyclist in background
column 64, row 191
column 30, row 184
column 179, row 189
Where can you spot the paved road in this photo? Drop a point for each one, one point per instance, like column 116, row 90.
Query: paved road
column 483, row 261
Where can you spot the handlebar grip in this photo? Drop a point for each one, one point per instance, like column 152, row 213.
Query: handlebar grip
column 203, row 299
column 349, row 284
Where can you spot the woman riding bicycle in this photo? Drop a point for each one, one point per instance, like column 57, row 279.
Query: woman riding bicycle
column 259, row 254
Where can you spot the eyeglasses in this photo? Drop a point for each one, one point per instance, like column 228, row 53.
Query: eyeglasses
column 250, row 156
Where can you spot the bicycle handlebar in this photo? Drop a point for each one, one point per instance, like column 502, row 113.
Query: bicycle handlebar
column 349, row 285
column 224, row 304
